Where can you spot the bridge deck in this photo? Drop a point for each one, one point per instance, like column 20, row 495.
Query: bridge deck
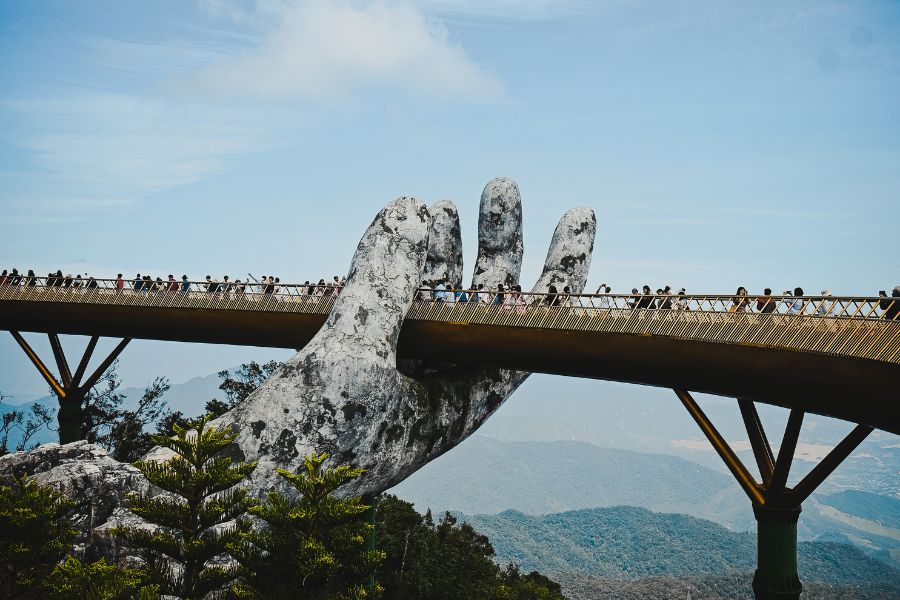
column 834, row 356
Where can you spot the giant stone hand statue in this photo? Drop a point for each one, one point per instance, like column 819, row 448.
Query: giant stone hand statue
column 343, row 393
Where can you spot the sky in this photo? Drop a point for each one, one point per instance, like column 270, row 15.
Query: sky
column 720, row 143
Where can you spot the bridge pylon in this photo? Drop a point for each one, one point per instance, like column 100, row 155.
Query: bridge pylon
column 776, row 506
column 69, row 388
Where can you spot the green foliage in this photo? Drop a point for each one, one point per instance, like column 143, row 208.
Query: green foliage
column 121, row 431
column 626, row 542
column 447, row 560
column 34, row 536
column 217, row 408
column 201, row 498
column 238, row 385
column 97, row 581
column 127, row 440
column 24, row 424
column 533, row 586
column 313, row 548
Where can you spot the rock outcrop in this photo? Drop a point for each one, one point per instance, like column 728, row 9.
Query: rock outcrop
column 85, row 473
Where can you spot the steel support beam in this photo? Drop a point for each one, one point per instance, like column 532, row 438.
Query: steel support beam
column 61, row 363
column 785, row 457
column 762, row 451
column 70, row 393
column 827, row 465
column 775, row 506
column 734, row 464
column 85, row 359
column 98, row 373
column 39, row 365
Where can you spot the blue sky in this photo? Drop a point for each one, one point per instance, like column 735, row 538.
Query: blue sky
column 720, row 143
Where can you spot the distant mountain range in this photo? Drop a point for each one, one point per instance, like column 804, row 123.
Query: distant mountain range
column 484, row 476
column 604, row 545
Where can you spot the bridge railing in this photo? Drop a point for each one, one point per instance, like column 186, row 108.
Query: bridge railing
column 864, row 327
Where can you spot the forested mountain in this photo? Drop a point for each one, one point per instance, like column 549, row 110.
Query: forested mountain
column 597, row 547
column 484, row 475
column 734, row 586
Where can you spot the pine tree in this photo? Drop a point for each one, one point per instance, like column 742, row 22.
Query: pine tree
column 313, row 548
column 193, row 517
column 97, row 581
column 34, row 536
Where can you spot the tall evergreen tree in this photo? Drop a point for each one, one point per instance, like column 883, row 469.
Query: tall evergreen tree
column 314, row 547
column 192, row 518
column 34, row 536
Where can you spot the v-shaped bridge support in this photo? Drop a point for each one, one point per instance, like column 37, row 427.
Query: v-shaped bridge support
column 69, row 388
column 775, row 505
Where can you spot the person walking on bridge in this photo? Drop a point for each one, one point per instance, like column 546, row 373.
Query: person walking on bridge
column 796, row 307
column 825, row 306
column 890, row 306
column 764, row 303
column 120, row 283
column 646, row 299
column 739, row 303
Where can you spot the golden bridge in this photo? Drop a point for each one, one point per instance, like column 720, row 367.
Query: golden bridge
column 833, row 356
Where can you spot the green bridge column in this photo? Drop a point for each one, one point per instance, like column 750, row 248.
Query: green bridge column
column 371, row 516
column 776, row 572
column 69, row 417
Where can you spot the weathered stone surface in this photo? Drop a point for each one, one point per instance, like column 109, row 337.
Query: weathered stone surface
column 85, row 473
column 500, row 243
column 445, row 259
column 343, row 393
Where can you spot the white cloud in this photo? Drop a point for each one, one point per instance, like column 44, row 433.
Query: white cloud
column 127, row 145
column 325, row 50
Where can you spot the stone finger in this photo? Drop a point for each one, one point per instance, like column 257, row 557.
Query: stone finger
column 500, row 243
column 444, row 262
column 381, row 284
column 569, row 255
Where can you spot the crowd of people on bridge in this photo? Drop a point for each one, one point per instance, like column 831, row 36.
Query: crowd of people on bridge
column 507, row 297
column 267, row 284
column 511, row 298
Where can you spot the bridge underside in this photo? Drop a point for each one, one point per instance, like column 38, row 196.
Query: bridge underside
column 851, row 389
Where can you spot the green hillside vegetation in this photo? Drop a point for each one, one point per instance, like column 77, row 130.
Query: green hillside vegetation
column 484, row 475
column 734, row 586
column 872, row 507
column 627, row 543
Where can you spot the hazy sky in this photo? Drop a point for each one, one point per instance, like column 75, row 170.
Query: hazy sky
column 720, row 143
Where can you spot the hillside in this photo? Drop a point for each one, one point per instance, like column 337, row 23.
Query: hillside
column 484, row 475
column 734, row 586
column 628, row 543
